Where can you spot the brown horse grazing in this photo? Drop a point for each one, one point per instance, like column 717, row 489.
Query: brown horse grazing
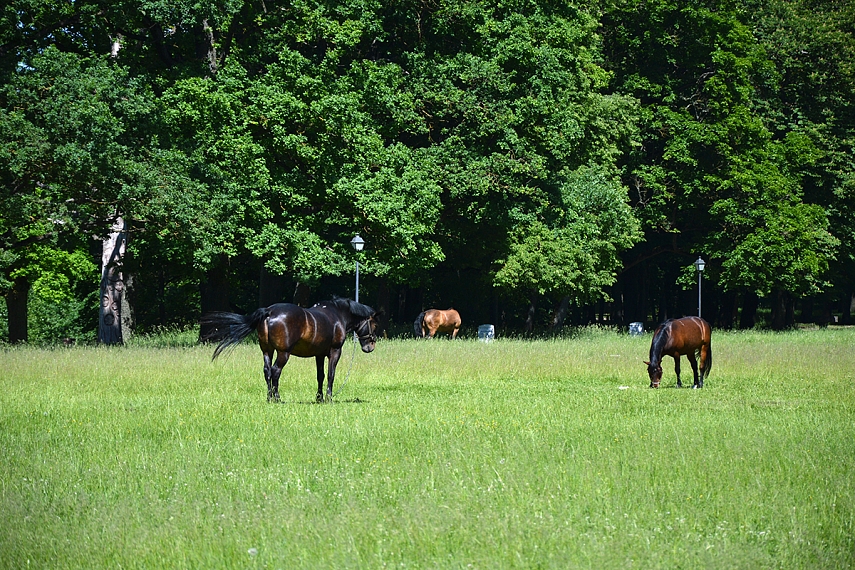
column 433, row 321
column 288, row 329
column 689, row 336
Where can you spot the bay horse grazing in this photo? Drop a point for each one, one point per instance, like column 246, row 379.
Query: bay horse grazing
column 288, row 329
column 434, row 321
column 689, row 336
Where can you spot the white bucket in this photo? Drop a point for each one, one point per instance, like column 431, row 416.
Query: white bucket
column 486, row 333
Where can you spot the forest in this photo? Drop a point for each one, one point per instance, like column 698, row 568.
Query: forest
column 535, row 164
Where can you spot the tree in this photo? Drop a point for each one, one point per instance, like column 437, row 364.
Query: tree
column 709, row 174
column 812, row 47
column 64, row 158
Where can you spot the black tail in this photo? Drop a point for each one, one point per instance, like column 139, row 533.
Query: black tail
column 708, row 365
column 232, row 328
column 417, row 326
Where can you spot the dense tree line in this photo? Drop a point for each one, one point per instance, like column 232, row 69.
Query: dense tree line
column 532, row 163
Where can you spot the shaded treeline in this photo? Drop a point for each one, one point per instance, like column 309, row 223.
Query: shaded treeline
column 532, row 164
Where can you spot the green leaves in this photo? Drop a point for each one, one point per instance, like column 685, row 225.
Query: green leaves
column 578, row 256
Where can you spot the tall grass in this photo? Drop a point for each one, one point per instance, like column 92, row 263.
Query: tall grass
column 436, row 454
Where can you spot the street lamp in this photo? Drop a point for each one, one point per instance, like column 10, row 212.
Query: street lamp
column 699, row 265
column 358, row 243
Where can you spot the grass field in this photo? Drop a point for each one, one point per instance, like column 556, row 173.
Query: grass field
column 436, row 454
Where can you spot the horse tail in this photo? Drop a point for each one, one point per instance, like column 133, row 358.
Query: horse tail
column 708, row 363
column 417, row 325
column 232, row 328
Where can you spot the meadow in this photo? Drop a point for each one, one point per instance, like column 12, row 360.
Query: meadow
column 435, row 454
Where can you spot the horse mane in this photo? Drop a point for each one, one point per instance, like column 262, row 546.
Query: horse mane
column 356, row 309
column 660, row 337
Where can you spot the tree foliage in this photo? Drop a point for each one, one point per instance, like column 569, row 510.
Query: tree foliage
column 545, row 146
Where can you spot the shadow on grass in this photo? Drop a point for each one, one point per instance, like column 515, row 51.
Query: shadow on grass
column 315, row 402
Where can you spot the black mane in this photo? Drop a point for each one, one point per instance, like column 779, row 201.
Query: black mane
column 356, row 309
column 660, row 337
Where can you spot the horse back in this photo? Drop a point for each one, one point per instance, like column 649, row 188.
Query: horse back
column 687, row 335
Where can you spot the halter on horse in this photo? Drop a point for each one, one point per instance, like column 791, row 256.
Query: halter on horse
column 288, row 329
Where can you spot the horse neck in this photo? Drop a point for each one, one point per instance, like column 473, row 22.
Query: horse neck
column 350, row 320
column 660, row 339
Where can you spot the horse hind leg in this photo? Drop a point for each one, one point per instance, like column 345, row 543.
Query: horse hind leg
column 706, row 364
column 275, row 372
column 268, row 372
column 694, row 362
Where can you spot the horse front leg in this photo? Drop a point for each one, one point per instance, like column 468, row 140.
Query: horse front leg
column 694, row 362
column 335, row 354
column 677, row 370
column 275, row 372
column 319, row 363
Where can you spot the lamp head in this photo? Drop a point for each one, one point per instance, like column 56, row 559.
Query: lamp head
column 357, row 242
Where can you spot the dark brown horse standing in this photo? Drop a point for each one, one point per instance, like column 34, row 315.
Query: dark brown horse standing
column 689, row 336
column 288, row 329
column 434, row 321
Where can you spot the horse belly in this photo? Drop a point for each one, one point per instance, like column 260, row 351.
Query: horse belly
column 306, row 349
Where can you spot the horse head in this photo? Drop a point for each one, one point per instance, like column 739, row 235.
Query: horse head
column 655, row 373
column 364, row 323
column 365, row 333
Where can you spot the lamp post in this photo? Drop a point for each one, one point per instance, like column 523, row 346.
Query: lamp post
column 358, row 243
column 699, row 265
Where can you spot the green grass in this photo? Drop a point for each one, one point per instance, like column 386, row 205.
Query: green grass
column 436, row 454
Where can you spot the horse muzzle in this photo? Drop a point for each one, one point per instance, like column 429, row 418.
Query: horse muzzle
column 368, row 346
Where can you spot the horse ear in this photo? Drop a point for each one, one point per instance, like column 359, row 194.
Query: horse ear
column 380, row 313
column 647, row 363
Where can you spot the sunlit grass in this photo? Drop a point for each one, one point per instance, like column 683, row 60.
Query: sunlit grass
column 549, row 453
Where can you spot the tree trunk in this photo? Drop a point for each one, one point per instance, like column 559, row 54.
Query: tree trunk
column 211, row 47
column 302, row 294
column 384, row 306
column 530, row 316
column 806, row 315
column 748, row 318
column 112, row 285
column 494, row 309
column 560, row 313
column 781, row 313
column 664, row 298
column 729, row 312
column 127, row 311
column 848, row 310
column 16, row 306
column 214, row 296
column 401, row 315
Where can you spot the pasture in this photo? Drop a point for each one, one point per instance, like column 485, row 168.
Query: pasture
column 436, row 454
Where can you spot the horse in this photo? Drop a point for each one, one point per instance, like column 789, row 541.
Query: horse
column 689, row 336
column 288, row 329
column 433, row 321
